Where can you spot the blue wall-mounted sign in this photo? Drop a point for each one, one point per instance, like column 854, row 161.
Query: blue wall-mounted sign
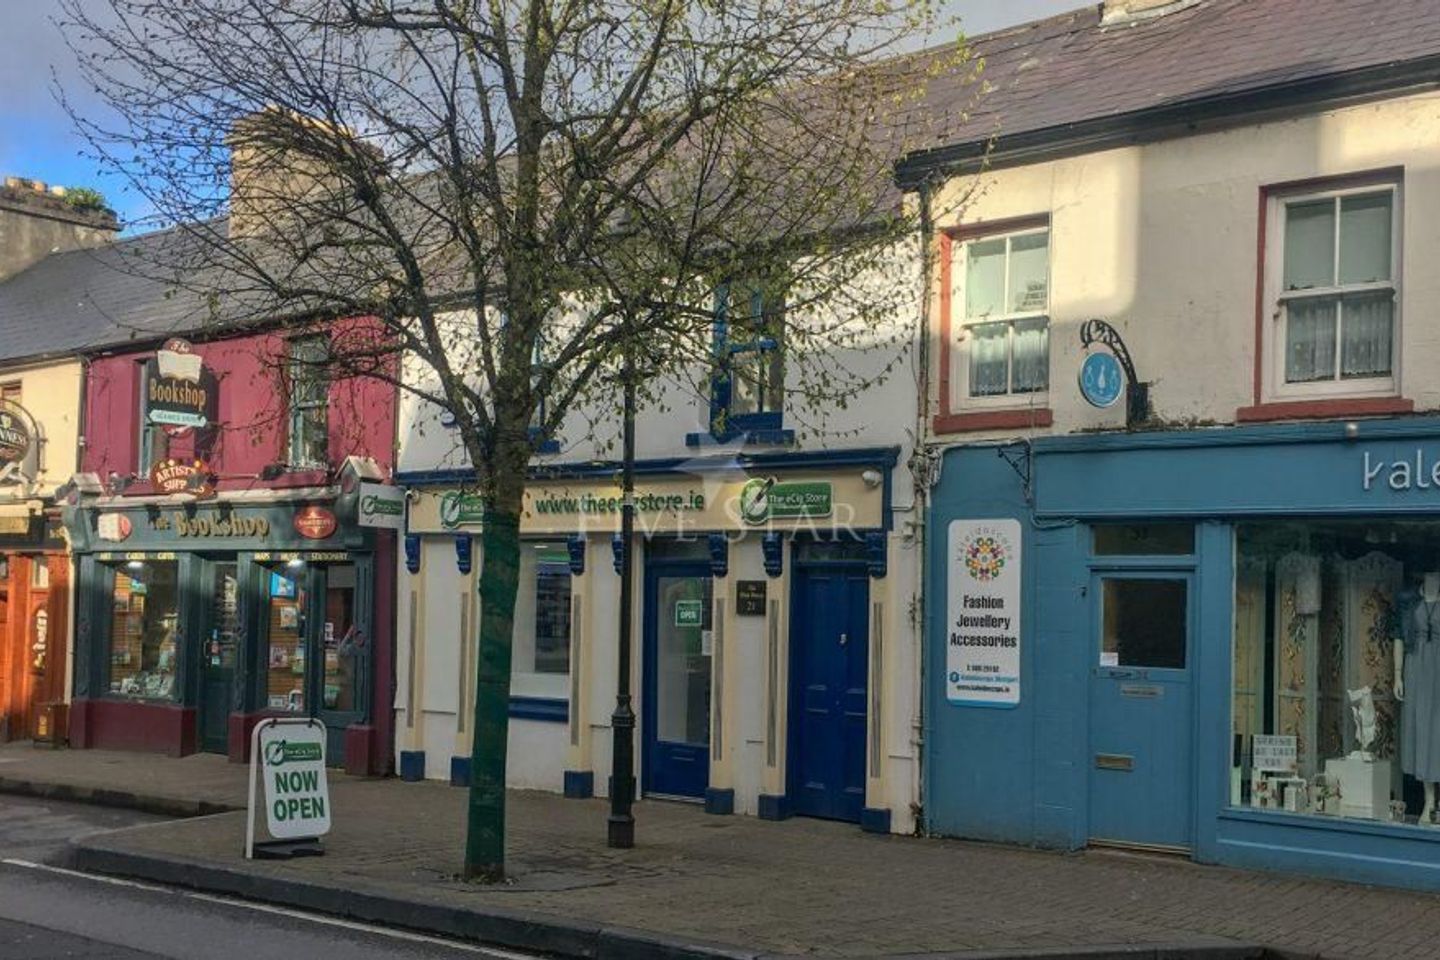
column 1102, row 381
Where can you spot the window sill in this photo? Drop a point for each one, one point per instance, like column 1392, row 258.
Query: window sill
column 1333, row 823
column 759, row 438
column 544, row 709
column 1325, row 409
column 1007, row 419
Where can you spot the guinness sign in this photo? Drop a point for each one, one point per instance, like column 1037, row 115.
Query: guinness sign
column 180, row 392
column 18, row 436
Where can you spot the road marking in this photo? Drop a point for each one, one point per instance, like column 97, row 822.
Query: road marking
column 498, row 953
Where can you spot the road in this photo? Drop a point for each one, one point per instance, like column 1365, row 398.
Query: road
column 47, row 913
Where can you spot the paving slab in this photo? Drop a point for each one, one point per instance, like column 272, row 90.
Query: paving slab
column 701, row 885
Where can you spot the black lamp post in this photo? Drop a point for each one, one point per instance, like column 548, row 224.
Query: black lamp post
column 621, row 824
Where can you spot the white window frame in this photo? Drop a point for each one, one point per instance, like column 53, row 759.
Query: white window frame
column 532, row 683
column 1276, row 297
column 960, row 398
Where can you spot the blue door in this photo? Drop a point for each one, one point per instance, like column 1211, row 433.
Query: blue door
column 829, row 644
column 676, row 704
column 1141, row 723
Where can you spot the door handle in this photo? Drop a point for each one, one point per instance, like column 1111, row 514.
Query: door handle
column 844, row 639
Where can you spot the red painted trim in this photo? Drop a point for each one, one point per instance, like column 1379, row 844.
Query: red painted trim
column 1325, row 409
column 1022, row 419
column 948, row 237
column 1344, row 181
column 122, row 725
column 968, row 231
column 946, row 251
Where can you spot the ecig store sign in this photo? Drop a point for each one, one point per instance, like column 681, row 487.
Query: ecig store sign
column 782, row 500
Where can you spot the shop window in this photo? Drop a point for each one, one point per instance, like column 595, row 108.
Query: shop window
column 340, row 689
column 748, row 393
column 1144, row 539
column 285, row 671
column 144, row 630
column 1336, row 671
column 1334, row 291
column 1003, row 299
column 309, row 384
column 541, row 656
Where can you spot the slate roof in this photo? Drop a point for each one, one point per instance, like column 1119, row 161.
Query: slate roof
column 1058, row 73
column 1043, row 80
column 106, row 296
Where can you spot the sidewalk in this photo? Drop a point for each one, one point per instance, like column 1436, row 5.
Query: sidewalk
column 798, row 887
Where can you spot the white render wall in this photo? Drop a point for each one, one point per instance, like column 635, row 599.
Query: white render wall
column 883, row 415
column 1161, row 241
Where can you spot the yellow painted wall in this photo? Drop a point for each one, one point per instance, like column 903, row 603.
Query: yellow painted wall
column 51, row 393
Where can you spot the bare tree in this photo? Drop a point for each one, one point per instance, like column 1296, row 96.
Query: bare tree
column 487, row 176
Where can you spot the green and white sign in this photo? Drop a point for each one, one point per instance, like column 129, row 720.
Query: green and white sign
column 689, row 613
column 771, row 499
column 382, row 505
column 292, row 765
column 457, row 509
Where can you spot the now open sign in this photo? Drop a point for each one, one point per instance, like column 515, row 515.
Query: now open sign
column 297, row 795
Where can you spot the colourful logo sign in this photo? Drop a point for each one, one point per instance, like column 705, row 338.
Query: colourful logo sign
column 315, row 523
column 180, row 476
column 985, row 555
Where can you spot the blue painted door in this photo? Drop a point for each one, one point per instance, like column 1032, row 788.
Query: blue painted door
column 829, row 643
column 676, row 696
column 1141, row 721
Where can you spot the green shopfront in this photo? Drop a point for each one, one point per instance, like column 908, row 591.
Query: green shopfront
column 197, row 617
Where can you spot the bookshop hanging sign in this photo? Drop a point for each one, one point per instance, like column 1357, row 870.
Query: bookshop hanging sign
column 982, row 664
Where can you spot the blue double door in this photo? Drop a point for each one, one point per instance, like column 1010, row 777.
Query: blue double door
column 829, row 690
column 1142, row 723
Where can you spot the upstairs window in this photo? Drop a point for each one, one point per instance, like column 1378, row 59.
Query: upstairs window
column 749, row 392
column 1335, row 291
column 1004, row 324
column 309, row 414
column 153, row 441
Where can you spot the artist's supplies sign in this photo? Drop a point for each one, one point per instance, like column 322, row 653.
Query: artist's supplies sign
column 982, row 663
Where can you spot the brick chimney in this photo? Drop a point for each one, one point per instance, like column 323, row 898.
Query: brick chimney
column 36, row 221
column 1122, row 11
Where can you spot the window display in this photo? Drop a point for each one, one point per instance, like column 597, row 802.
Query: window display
column 341, row 640
column 144, row 630
column 542, row 622
column 285, row 666
column 1336, row 695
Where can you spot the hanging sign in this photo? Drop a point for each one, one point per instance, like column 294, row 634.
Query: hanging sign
column 289, row 757
column 314, row 523
column 689, row 613
column 982, row 663
column 180, row 392
column 382, row 505
column 182, row 476
column 1102, row 381
column 18, row 437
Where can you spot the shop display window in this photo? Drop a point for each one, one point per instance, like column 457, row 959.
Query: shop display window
column 285, row 669
column 144, row 630
column 1336, row 683
column 541, row 655
column 340, row 641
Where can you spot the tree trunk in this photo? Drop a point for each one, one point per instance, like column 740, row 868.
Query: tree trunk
column 499, row 579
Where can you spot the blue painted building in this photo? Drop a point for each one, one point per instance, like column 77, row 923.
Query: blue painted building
column 1174, row 585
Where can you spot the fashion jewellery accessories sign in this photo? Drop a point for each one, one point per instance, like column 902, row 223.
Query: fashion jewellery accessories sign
column 289, row 756
column 982, row 651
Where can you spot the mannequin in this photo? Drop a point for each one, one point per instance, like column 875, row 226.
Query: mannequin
column 1417, row 686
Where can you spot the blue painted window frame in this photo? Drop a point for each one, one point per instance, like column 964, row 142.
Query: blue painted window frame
column 762, row 426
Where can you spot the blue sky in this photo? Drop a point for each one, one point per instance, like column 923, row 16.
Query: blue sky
column 38, row 141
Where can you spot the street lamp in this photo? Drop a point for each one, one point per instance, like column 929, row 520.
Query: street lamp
column 621, row 825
